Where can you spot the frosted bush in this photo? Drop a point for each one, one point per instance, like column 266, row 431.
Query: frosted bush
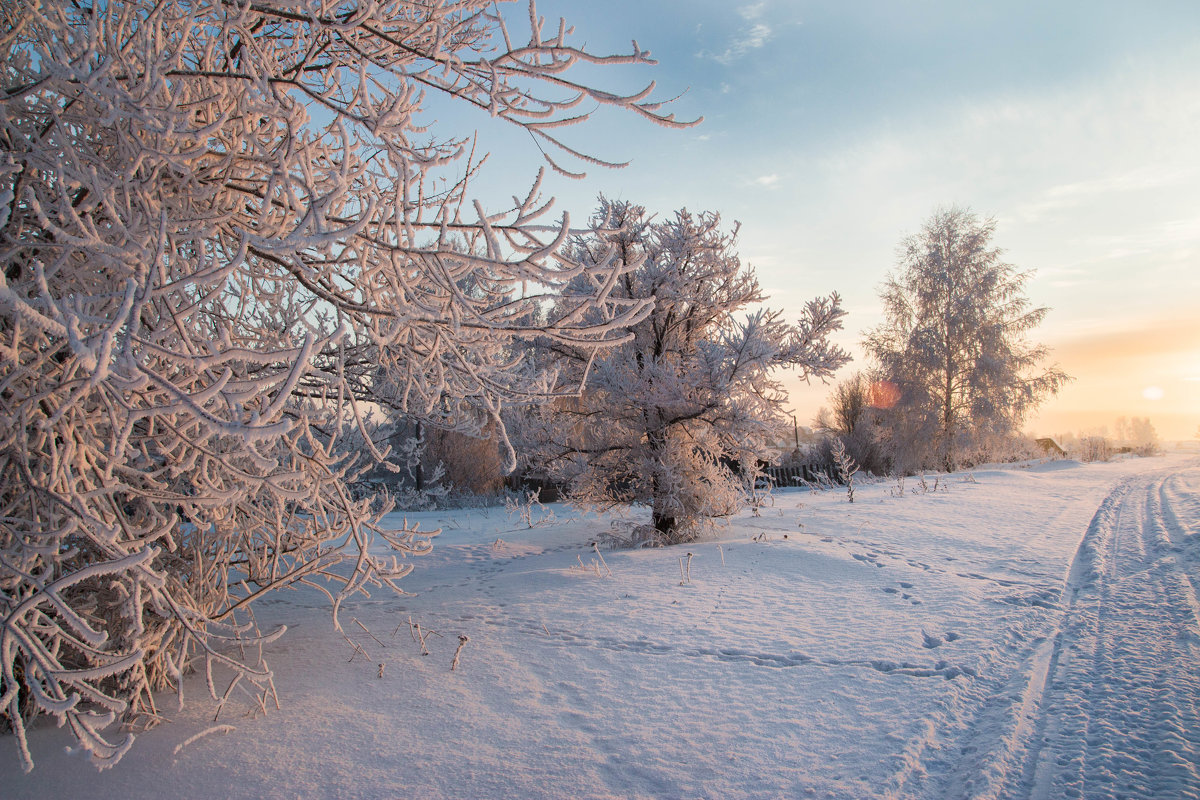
column 226, row 235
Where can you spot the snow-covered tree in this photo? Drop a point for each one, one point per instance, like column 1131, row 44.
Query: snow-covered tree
column 1142, row 436
column 228, row 231
column 954, row 341
column 670, row 417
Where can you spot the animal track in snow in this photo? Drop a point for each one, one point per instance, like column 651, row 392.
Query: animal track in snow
column 734, row 655
column 930, row 641
column 892, row 590
column 1039, row 598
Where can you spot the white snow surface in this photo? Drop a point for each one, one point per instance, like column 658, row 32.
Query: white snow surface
column 1017, row 633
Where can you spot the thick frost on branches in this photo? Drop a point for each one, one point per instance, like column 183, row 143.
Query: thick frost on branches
column 225, row 233
column 673, row 416
column 954, row 342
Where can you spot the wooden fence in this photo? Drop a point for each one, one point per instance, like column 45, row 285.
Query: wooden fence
column 549, row 492
column 798, row 476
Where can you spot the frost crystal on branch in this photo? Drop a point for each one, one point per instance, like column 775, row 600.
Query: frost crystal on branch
column 227, row 235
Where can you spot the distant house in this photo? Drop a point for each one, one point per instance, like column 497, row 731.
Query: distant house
column 1051, row 448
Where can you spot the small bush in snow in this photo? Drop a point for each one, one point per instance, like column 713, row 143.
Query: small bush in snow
column 846, row 467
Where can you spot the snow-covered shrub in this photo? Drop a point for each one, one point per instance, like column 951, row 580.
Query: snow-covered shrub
column 226, row 234
column 1092, row 448
column 528, row 509
column 756, row 490
column 846, row 468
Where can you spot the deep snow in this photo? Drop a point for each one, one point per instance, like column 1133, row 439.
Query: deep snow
column 1019, row 632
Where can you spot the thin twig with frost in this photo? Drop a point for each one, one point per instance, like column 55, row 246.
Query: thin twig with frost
column 685, row 573
column 206, row 732
column 420, row 634
column 367, row 631
column 462, row 642
column 596, row 549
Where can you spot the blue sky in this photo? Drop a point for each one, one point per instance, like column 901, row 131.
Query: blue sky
column 831, row 130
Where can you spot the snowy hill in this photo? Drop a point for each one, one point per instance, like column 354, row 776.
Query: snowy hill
column 1014, row 633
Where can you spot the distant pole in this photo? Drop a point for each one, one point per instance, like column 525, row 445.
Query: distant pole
column 796, row 430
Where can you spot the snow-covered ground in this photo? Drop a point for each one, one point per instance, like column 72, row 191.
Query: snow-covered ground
column 1018, row 633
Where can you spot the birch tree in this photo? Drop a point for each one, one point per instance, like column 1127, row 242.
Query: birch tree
column 226, row 231
column 672, row 416
column 954, row 341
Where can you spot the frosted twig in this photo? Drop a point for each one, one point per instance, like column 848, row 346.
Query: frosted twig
column 201, row 735
column 357, row 649
column 228, row 691
column 420, row 635
column 462, row 642
column 368, row 632
column 685, row 573
column 596, row 548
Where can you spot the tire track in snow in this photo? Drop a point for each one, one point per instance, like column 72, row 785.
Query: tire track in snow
column 1119, row 715
column 997, row 752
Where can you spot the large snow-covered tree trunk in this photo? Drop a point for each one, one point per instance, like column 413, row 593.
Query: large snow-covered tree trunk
column 227, row 234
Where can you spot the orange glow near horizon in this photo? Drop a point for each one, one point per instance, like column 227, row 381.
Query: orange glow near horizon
column 1147, row 369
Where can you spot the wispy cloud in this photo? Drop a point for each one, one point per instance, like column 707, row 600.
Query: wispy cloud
column 766, row 180
column 1142, row 178
column 752, row 11
column 755, row 35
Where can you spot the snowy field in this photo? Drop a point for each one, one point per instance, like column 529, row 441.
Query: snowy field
column 1022, row 632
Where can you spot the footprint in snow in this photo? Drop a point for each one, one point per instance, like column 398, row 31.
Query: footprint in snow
column 931, row 641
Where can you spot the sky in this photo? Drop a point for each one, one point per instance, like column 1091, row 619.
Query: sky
column 832, row 130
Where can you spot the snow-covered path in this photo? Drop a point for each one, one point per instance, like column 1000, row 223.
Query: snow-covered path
column 1013, row 633
column 1105, row 703
column 1120, row 716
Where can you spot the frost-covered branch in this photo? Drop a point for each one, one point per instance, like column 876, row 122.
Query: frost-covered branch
column 227, row 236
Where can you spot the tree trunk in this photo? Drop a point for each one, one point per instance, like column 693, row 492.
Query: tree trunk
column 948, row 420
column 664, row 521
column 664, row 524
